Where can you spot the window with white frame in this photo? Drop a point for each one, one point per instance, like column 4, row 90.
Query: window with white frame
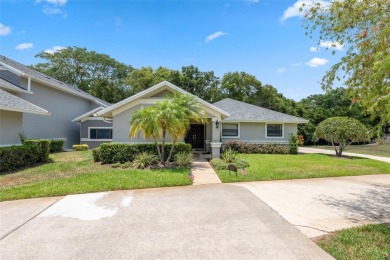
column 100, row 133
column 229, row 130
column 274, row 130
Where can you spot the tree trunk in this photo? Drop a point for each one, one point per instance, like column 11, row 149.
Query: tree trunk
column 171, row 151
column 158, row 149
column 163, row 146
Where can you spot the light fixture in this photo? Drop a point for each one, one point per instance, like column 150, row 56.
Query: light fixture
column 217, row 124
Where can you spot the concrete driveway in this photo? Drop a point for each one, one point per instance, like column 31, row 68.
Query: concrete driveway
column 199, row 222
column 319, row 206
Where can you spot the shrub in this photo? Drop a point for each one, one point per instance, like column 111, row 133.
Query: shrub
column 80, row 147
column 22, row 137
column 301, row 140
column 183, row 158
column 96, row 154
column 220, row 164
column 143, row 160
column 43, row 148
column 229, row 155
column 14, row 157
column 241, row 147
column 56, row 146
column 293, row 144
column 118, row 152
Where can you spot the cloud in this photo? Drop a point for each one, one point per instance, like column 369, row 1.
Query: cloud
column 298, row 64
column 316, row 62
column 52, row 7
column 314, row 49
column 54, row 2
column 294, row 10
column 252, row 1
column 281, row 70
column 54, row 49
column 214, row 36
column 24, row 46
column 51, row 11
column 4, row 30
column 332, row 45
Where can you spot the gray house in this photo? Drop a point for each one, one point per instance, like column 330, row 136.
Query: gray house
column 226, row 120
column 39, row 106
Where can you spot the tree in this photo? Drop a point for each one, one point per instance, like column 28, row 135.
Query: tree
column 363, row 26
column 341, row 132
column 169, row 116
column 95, row 73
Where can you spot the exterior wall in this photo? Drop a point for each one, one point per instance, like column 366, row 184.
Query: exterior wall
column 256, row 133
column 11, row 124
column 84, row 132
column 63, row 107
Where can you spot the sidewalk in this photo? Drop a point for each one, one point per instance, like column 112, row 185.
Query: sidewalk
column 202, row 171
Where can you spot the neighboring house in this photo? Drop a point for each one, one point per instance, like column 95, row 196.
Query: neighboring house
column 227, row 119
column 39, row 106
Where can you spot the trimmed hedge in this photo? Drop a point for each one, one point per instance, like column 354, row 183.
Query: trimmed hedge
column 293, row 144
column 96, row 154
column 80, row 147
column 56, row 146
column 242, row 147
column 14, row 157
column 44, row 148
column 121, row 153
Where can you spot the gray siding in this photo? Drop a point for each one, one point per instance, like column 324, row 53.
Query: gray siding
column 63, row 107
column 91, row 123
column 11, row 124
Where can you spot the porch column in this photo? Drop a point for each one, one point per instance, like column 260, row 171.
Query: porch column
column 216, row 138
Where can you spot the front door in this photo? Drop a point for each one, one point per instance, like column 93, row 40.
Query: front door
column 195, row 136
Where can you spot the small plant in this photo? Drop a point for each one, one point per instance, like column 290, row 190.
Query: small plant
column 220, row 164
column 80, row 147
column 126, row 165
column 143, row 160
column 229, row 156
column 183, row 158
column 115, row 165
column 96, row 154
column 293, row 144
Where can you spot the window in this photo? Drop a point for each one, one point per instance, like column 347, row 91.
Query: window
column 100, row 133
column 274, row 130
column 230, row 130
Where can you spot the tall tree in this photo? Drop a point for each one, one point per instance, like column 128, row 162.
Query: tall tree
column 363, row 26
column 95, row 73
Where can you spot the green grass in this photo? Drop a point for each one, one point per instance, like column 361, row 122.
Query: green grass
column 75, row 172
column 378, row 150
column 281, row 167
column 366, row 242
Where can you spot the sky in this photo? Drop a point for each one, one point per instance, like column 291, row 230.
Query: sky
column 263, row 38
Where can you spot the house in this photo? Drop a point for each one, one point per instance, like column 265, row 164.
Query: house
column 227, row 119
column 39, row 106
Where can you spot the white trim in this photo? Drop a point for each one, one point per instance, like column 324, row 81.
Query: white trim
column 267, row 121
column 88, row 114
column 274, row 123
column 238, row 130
column 95, row 140
column 45, row 113
column 12, row 69
column 98, row 127
column 216, row 145
column 19, row 90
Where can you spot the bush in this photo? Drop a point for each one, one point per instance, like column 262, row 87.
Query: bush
column 14, row 157
column 229, row 155
column 80, row 147
column 118, row 152
column 56, row 146
column 242, row 147
column 220, row 164
column 96, row 154
column 143, row 160
column 43, row 148
column 183, row 158
column 293, row 144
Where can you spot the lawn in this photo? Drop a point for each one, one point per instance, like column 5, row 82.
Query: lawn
column 281, row 167
column 379, row 150
column 75, row 172
column 366, row 242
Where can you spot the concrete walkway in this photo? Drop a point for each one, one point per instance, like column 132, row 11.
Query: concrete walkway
column 202, row 171
column 323, row 151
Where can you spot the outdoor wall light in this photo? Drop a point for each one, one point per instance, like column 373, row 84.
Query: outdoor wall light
column 217, row 124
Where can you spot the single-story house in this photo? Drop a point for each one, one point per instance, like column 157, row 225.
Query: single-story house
column 39, row 106
column 226, row 120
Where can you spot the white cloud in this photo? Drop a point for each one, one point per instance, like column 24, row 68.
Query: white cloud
column 316, row 62
column 298, row 64
column 332, row 45
column 314, row 49
column 281, row 70
column 24, row 46
column 54, row 2
column 294, row 10
column 4, row 30
column 54, row 49
column 252, row 1
column 51, row 11
column 214, row 36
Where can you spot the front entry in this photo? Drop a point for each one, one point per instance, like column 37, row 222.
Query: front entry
column 195, row 136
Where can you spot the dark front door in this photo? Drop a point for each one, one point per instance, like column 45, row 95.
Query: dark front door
column 195, row 136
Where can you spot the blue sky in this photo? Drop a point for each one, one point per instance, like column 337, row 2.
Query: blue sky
column 263, row 38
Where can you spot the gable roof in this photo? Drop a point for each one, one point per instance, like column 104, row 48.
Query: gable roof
column 13, row 103
column 25, row 71
column 154, row 89
column 88, row 114
column 5, row 84
column 241, row 111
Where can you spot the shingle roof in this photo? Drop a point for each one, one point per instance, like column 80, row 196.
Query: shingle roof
column 241, row 111
column 14, row 103
column 51, row 81
column 11, row 86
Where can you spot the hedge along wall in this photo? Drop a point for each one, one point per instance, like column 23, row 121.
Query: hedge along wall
column 242, row 147
column 44, row 148
column 14, row 157
column 56, row 146
column 121, row 153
